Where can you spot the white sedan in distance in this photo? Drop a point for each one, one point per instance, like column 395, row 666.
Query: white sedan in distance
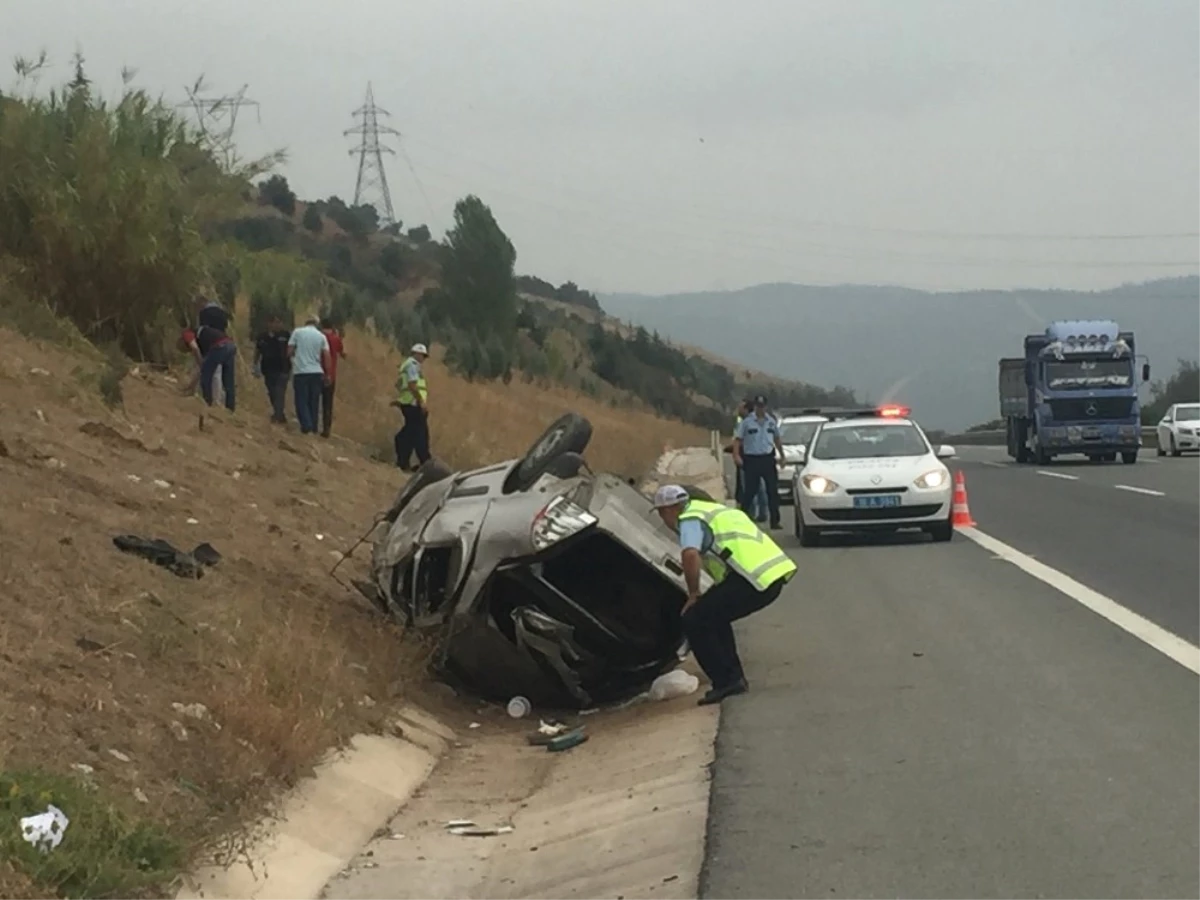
column 1179, row 429
column 796, row 430
column 872, row 470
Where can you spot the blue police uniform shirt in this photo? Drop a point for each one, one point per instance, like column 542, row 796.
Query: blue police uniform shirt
column 695, row 535
column 410, row 371
column 758, row 435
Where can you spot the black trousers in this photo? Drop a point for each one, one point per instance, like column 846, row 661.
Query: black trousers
column 413, row 436
column 277, row 385
column 327, row 407
column 708, row 625
column 755, row 470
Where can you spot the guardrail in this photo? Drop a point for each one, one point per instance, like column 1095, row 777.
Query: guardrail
column 967, row 439
column 997, row 438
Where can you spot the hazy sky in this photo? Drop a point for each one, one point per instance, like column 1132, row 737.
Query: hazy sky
column 666, row 145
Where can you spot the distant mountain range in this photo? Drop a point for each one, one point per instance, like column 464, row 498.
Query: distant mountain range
column 936, row 352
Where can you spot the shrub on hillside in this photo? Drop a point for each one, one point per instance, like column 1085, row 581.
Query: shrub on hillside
column 102, row 208
column 276, row 192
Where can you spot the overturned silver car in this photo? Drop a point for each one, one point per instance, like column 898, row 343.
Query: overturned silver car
column 537, row 576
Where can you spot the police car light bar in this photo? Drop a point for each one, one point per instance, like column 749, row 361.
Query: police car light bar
column 889, row 411
column 894, row 411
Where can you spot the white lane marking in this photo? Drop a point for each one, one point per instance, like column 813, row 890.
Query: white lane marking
column 1062, row 475
column 1138, row 490
column 1169, row 645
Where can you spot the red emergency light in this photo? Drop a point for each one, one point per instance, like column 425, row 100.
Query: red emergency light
column 894, row 412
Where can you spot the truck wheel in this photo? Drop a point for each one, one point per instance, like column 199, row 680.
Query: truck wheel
column 1129, row 457
column 1041, row 457
column 570, row 433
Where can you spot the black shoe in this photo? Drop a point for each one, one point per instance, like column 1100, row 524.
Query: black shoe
column 776, row 526
column 716, row 695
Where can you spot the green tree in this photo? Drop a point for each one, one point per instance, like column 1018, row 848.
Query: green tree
column 312, row 218
column 277, row 193
column 392, row 261
column 477, row 272
column 419, row 235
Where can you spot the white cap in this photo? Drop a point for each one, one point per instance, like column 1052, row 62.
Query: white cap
column 669, row 495
column 420, row 348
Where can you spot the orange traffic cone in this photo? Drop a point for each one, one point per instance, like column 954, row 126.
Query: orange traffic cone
column 961, row 511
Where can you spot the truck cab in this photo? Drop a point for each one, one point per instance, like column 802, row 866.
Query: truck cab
column 1075, row 391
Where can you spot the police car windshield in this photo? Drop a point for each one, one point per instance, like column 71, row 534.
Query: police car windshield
column 797, row 432
column 1182, row 414
column 869, row 441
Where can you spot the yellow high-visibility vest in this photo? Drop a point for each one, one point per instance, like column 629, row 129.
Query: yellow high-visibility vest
column 405, row 395
column 740, row 545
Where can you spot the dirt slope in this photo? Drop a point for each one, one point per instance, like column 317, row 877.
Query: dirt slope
column 103, row 655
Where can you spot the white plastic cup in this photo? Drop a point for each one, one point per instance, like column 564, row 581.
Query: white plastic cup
column 519, row 707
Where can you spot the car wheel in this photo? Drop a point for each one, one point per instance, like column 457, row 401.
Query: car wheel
column 808, row 536
column 942, row 531
column 697, row 493
column 1159, row 449
column 431, row 472
column 568, row 434
column 1175, row 451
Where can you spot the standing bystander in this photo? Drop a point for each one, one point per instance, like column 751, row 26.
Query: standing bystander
column 308, row 351
column 413, row 400
column 754, row 450
column 217, row 351
column 337, row 348
column 272, row 363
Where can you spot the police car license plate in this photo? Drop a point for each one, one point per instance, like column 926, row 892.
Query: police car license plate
column 877, row 501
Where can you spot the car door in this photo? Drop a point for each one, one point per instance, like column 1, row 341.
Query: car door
column 1164, row 428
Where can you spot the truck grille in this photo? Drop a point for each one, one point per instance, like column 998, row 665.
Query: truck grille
column 1075, row 409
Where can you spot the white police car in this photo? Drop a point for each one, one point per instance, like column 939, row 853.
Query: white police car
column 872, row 470
column 796, row 430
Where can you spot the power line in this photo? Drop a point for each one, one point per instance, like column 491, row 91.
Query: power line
column 372, row 177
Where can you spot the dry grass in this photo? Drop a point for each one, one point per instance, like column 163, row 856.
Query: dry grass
column 473, row 423
column 99, row 647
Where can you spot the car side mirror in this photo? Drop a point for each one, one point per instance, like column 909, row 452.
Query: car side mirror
column 1145, row 371
column 945, row 451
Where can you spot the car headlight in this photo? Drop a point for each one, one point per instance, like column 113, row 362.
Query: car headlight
column 560, row 519
column 934, row 478
column 819, row 484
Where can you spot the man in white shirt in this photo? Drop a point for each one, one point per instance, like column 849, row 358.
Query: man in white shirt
column 308, row 350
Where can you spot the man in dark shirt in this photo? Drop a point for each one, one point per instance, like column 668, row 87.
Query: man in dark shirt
column 271, row 361
column 217, row 350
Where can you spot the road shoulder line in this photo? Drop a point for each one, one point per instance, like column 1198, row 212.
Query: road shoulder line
column 1170, row 645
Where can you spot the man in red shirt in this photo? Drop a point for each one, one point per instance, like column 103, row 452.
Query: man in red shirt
column 336, row 349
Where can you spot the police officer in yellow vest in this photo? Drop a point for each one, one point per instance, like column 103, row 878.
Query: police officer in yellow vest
column 413, row 400
column 748, row 567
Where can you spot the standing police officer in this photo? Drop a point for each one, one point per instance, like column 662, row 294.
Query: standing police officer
column 748, row 568
column 755, row 445
column 413, row 400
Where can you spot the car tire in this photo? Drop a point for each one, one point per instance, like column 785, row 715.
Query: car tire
column 430, row 472
column 566, row 466
column 1175, row 451
column 942, row 531
column 808, row 536
column 569, row 433
column 1159, row 449
column 697, row 493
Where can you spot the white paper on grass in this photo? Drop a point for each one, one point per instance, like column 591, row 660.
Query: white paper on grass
column 45, row 830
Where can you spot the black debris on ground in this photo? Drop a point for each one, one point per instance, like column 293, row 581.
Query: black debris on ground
column 163, row 553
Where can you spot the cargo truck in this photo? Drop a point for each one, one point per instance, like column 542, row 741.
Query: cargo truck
column 1075, row 391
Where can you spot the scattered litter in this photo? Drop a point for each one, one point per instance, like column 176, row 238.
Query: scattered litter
column 548, row 731
column 519, row 707
column 395, row 836
column 670, row 878
column 177, row 729
column 473, row 725
column 37, row 370
column 41, row 416
column 358, row 667
column 467, row 828
column 53, row 462
column 369, row 865
column 140, row 795
column 82, row 768
column 193, row 521
column 343, row 459
column 159, row 483
column 320, row 537
column 196, row 711
column 676, row 683
column 162, row 553
column 134, row 478
column 172, row 496
column 117, row 754
column 366, row 701
column 45, row 830
column 567, row 741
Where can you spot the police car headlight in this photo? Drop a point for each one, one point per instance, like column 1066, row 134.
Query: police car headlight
column 560, row 519
column 819, row 484
column 934, row 478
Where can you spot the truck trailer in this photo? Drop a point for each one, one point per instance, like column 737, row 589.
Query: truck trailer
column 1075, row 391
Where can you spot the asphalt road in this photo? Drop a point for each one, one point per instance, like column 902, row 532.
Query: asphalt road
column 927, row 720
